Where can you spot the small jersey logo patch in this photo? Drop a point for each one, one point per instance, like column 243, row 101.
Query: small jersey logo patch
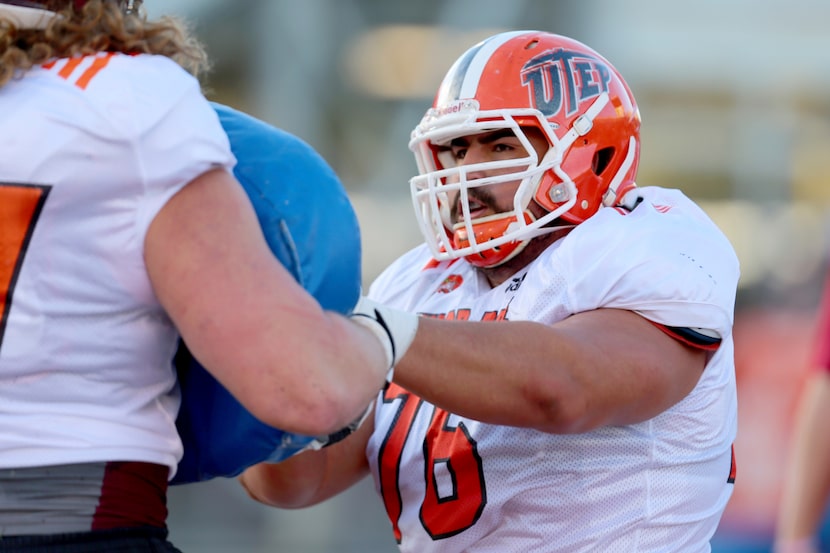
column 450, row 283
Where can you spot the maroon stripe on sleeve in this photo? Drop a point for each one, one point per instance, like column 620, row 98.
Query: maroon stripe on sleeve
column 690, row 337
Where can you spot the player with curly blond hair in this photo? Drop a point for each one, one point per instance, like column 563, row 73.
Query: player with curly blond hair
column 124, row 231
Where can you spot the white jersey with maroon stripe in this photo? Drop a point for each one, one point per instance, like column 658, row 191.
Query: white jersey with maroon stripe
column 452, row 484
column 92, row 148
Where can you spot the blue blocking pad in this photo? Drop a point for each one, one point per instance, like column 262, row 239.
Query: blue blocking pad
column 311, row 227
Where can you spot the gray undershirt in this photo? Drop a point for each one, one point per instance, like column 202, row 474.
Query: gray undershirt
column 49, row 500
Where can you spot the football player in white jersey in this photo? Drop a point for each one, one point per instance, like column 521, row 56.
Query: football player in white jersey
column 571, row 385
column 122, row 228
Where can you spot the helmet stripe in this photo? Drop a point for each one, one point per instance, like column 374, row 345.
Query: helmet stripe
column 451, row 86
column 463, row 77
column 478, row 60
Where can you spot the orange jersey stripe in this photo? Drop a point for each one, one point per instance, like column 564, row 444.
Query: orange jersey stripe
column 93, row 70
column 71, row 65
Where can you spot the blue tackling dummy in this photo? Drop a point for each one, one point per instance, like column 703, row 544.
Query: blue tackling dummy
column 309, row 223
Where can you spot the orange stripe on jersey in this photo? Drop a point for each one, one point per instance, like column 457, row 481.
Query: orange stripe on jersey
column 71, row 65
column 93, row 70
column 434, row 263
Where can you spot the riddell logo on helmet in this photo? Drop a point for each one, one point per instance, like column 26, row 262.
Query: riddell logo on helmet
column 563, row 79
column 453, row 108
column 456, row 107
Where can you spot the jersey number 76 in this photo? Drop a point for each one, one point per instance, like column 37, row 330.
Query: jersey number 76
column 449, row 451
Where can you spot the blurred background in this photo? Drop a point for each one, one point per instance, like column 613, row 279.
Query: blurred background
column 735, row 101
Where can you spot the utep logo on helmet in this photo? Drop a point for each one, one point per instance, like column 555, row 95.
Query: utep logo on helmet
column 562, row 78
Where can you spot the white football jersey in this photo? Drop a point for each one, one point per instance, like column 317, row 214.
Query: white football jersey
column 91, row 148
column 452, row 484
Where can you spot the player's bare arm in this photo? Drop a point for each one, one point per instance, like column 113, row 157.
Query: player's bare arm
column 804, row 500
column 189, row 250
column 596, row 368
column 313, row 476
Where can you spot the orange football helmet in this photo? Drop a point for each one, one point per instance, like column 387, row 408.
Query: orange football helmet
column 516, row 80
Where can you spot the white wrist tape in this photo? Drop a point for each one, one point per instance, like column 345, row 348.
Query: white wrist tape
column 395, row 329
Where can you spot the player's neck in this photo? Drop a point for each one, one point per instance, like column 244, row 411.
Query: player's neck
column 497, row 275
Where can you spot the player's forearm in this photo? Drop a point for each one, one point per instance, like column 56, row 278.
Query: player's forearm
column 807, row 482
column 331, row 369
column 247, row 320
column 597, row 368
column 290, row 484
column 310, row 477
column 491, row 372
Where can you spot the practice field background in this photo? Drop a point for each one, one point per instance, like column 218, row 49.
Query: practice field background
column 735, row 99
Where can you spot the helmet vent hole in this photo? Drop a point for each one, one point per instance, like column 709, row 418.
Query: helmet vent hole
column 601, row 160
column 532, row 44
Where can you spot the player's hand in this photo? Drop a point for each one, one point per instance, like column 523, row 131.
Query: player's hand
column 394, row 328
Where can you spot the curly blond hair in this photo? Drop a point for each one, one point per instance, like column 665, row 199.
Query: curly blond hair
column 100, row 26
